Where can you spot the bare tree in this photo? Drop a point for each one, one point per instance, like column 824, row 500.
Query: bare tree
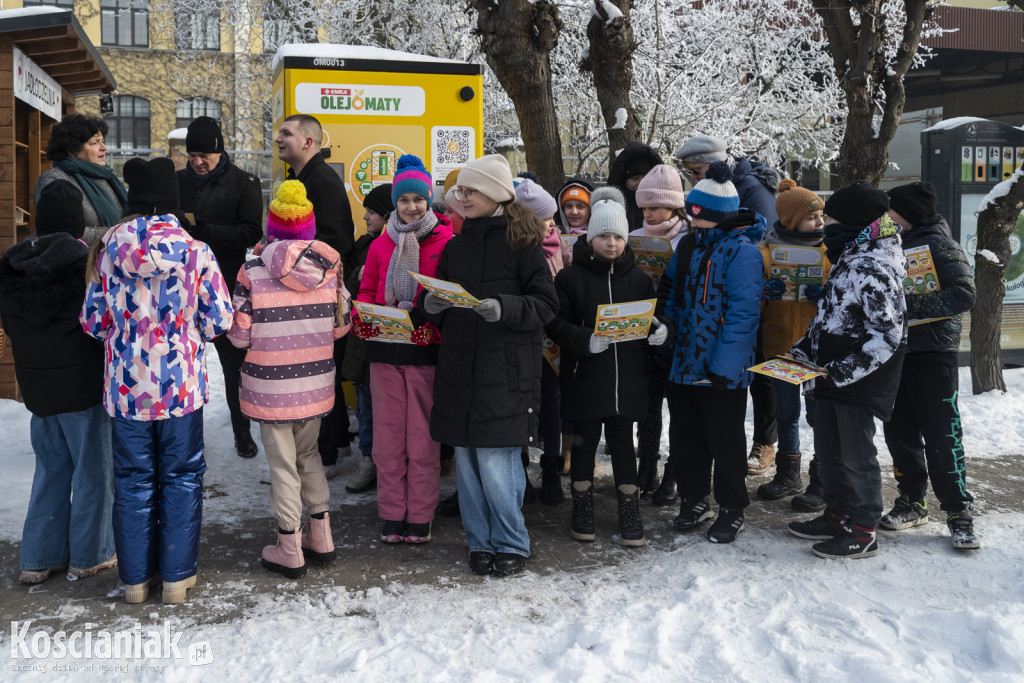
column 1000, row 211
column 610, row 61
column 873, row 44
column 517, row 36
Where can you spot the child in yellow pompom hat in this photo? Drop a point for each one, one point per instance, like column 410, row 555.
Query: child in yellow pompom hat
column 290, row 306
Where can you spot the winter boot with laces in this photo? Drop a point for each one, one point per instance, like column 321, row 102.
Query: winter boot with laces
column 726, row 526
column 317, row 542
column 820, row 528
column 631, row 528
column 285, row 558
column 692, row 513
column 813, row 499
column 787, row 480
column 760, row 458
column 905, row 513
column 852, row 542
column 582, row 528
column 961, row 528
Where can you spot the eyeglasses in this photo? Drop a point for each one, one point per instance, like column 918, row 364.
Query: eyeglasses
column 691, row 174
column 463, row 194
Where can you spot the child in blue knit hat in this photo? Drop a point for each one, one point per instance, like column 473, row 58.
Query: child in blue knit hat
column 711, row 295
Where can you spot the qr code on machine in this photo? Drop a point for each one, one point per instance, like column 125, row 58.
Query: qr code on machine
column 453, row 146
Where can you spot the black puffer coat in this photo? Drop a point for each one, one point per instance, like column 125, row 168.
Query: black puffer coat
column 634, row 159
column 956, row 292
column 613, row 382
column 487, row 386
column 326, row 191
column 228, row 213
column 42, row 285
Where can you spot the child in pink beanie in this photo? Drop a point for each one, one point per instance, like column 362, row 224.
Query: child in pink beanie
column 660, row 195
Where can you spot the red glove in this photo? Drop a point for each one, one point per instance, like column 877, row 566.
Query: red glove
column 425, row 335
column 364, row 330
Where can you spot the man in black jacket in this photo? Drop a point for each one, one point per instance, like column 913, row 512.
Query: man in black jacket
column 226, row 204
column 298, row 145
column 925, row 436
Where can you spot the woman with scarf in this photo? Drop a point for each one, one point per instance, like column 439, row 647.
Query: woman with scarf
column 401, row 375
column 78, row 153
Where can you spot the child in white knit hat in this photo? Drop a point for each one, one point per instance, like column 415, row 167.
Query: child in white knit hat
column 602, row 386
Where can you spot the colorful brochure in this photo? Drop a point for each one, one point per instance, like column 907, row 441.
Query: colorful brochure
column 552, row 353
column 798, row 267
column 789, row 370
column 569, row 240
column 449, row 291
column 625, row 322
column 921, row 277
column 652, row 255
column 394, row 323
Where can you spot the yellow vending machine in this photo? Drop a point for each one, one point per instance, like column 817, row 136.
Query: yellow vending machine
column 376, row 105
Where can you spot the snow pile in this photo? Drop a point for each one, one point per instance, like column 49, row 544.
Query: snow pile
column 954, row 123
column 610, row 10
column 333, row 51
column 620, row 119
column 178, row 135
column 988, row 255
column 1001, row 190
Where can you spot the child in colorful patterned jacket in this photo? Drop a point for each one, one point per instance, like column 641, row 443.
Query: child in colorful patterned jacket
column 290, row 306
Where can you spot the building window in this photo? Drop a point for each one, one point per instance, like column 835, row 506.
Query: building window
column 129, row 126
column 189, row 110
column 197, row 31
column 63, row 4
column 125, row 23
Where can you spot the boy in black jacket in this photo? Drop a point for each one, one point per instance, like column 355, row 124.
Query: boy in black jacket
column 859, row 336
column 925, row 436
column 602, row 386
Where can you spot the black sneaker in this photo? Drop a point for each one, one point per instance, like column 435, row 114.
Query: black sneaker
column 905, row 513
column 961, row 528
column 853, row 542
column 692, row 513
column 810, row 500
column 820, row 528
column 393, row 532
column 727, row 526
column 417, row 533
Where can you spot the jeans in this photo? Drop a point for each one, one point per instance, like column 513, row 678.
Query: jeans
column 491, row 487
column 70, row 507
column 364, row 413
column 787, row 415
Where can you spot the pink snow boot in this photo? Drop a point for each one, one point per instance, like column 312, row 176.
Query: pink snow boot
column 285, row 558
column 317, row 544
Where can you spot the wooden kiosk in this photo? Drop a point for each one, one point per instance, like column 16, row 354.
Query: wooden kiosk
column 46, row 61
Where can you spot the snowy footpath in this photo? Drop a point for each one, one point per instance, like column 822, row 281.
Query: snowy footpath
column 680, row 609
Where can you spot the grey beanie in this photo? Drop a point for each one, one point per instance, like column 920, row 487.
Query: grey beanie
column 607, row 214
column 703, row 149
column 490, row 175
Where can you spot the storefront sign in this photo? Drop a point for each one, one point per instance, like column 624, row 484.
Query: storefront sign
column 34, row 86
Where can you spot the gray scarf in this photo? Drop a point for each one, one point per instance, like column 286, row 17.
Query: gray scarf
column 399, row 287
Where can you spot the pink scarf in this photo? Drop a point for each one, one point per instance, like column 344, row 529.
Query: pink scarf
column 554, row 251
column 666, row 230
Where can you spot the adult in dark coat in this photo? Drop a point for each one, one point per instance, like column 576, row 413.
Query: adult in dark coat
column 630, row 166
column 60, row 373
column 226, row 204
column 924, row 436
column 298, row 145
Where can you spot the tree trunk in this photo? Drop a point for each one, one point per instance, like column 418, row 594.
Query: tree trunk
column 995, row 224
column 859, row 59
column 518, row 38
column 610, row 60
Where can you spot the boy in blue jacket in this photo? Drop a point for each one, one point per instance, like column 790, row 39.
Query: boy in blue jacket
column 711, row 294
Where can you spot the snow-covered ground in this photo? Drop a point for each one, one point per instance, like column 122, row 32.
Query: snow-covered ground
column 763, row 608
